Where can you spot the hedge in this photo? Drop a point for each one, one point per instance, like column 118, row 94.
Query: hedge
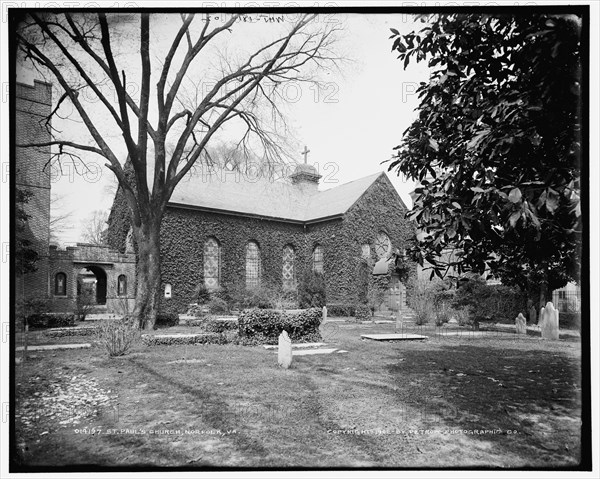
column 363, row 313
column 48, row 320
column 340, row 310
column 259, row 326
column 166, row 320
column 498, row 303
column 213, row 324
column 202, row 338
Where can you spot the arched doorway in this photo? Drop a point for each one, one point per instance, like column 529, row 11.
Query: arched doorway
column 92, row 280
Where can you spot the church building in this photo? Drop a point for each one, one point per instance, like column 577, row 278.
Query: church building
column 228, row 231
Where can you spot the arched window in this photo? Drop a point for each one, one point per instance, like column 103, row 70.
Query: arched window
column 212, row 263
column 252, row 265
column 122, row 285
column 318, row 259
column 60, row 284
column 289, row 269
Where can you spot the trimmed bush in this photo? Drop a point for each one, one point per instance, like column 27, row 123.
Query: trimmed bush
column 363, row 313
column 259, row 326
column 166, row 320
column 202, row 338
column 340, row 310
column 50, row 320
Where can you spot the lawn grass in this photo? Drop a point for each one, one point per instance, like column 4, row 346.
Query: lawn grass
column 411, row 397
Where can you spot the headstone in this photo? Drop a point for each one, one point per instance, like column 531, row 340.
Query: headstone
column 532, row 315
column 284, row 352
column 549, row 322
column 541, row 317
column 324, row 313
column 521, row 324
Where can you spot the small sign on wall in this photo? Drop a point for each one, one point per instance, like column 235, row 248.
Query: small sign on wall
column 168, row 291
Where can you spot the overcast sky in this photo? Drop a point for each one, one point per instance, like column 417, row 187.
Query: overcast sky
column 350, row 126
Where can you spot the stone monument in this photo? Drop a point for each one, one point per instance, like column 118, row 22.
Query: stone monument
column 549, row 322
column 284, row 352
column 521, row 324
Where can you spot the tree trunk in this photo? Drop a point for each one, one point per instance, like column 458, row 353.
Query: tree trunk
column 148, row 290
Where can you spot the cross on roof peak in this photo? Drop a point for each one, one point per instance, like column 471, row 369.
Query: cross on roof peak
column 305, row 153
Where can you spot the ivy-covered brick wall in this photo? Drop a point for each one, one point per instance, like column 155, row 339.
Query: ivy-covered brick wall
column 379, row 209
column 184, row 232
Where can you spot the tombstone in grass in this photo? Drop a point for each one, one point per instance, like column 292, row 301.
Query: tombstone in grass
column 532, row 315
column 284, row 351
column 521, row 324
column 549, row 321
column 324, row 313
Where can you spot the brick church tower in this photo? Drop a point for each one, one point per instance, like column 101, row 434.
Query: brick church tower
column 33, row 105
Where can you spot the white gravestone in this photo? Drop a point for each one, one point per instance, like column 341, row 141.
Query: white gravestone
column 541, row 317
column 284, row 351
column 324, row 313
column 549, row 322
column 521, row 324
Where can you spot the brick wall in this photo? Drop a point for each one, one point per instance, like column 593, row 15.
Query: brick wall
column 33, row 105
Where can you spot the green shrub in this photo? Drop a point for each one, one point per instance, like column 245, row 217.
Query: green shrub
column 166, row 320
column 311, row 291
column 202, row 294
column 217, row 306
column 256, row 326
column 51, row 320
column 84, row 304
column 363, row 312
column 213, row 325
column 442, row 314
column 569, row 320
column 198, row 310
column 340, row 310
column 118, row 335
column 486, row 302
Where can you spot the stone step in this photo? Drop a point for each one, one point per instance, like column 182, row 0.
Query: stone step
column 392, row 337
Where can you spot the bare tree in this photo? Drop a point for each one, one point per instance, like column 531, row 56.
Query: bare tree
column 81, row 53
column 59, row 217
column 95, row 228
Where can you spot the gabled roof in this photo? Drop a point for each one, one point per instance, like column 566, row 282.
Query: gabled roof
column 271, row 199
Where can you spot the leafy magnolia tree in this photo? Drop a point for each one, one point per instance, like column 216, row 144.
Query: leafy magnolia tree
column 160, row 80
column 496, row 148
